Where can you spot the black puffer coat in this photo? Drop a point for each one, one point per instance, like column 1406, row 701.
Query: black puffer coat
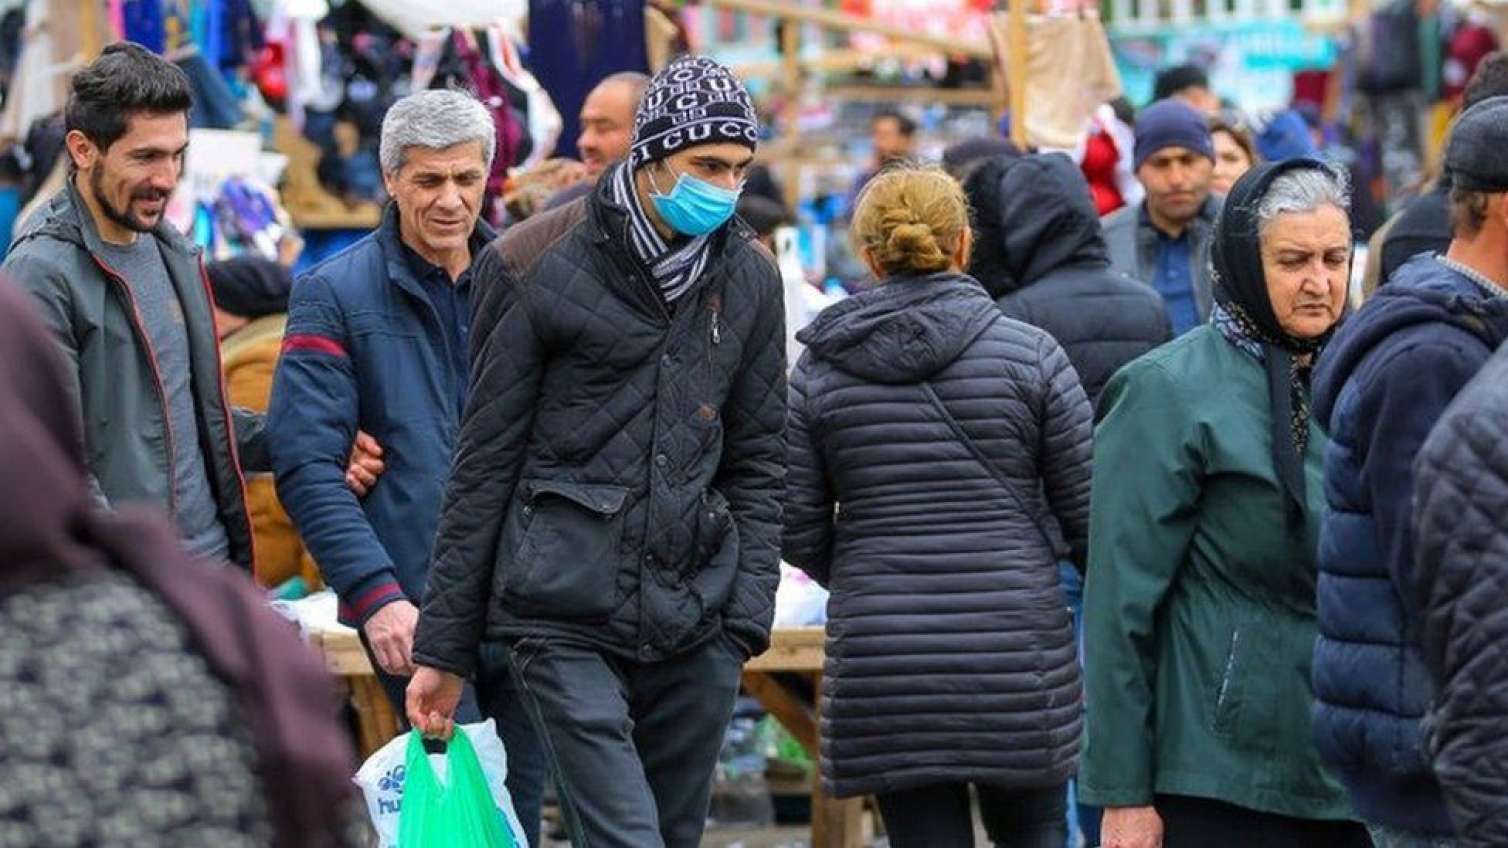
column 1039, row 252
column 1461, row 562
column 950, row 652
column 619, row 469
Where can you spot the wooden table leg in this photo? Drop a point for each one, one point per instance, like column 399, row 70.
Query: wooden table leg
column 835, row 824
column 376, row 723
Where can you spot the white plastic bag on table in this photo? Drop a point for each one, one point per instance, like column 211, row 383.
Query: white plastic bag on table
column 381, row 780
column 799, row 600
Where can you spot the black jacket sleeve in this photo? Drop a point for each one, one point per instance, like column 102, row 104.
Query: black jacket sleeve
column 752, row 471
column 505, row 375
column 1461, row 555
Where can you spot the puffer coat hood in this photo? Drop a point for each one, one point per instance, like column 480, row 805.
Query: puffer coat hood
column 903, row 331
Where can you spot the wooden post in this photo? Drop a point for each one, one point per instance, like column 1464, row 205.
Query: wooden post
column 790, row 62
column 1016, row 56
column 89, row 44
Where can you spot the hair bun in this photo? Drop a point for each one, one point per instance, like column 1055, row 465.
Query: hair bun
column 915, row 248
column 911, row 220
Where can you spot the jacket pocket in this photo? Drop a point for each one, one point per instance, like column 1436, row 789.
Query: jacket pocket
column 1244, row 710
column 566, row 563
column 716, row 560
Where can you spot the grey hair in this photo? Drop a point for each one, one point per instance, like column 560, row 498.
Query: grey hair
column 1304, row 190
column 435, row 119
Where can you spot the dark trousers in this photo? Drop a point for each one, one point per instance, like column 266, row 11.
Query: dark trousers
column 1200, row 822
column 634, row 744
column 492, row 695
column 941, row 816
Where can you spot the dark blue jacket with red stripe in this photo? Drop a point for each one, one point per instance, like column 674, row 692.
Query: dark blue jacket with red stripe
column 365, row 349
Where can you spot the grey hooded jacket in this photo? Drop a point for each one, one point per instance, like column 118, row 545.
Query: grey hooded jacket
column 1131, row 240
column 113, row 376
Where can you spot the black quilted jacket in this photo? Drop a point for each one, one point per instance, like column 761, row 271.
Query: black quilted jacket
column 1461, row 580
column 619, row 469
column 950, row 651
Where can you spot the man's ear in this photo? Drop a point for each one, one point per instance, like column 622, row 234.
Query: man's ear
column 85, row 153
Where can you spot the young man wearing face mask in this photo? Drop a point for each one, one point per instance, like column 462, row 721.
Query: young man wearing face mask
column 613, row 509
column 1381, row 385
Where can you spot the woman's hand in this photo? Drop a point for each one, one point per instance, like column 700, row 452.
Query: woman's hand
column 1131, row 827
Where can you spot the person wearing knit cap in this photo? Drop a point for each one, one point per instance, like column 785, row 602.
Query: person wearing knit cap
column 1165, row 240
column 611, row 521
column 1385, row 381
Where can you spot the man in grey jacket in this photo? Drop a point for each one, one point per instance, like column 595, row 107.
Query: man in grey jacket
column 128, row 302
column 1165, row 241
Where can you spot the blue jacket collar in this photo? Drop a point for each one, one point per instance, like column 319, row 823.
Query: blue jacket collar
column 395, row 259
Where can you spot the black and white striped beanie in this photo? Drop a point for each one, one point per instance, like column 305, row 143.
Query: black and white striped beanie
column 693, row 101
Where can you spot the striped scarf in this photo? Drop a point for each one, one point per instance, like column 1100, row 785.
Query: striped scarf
column 675, row 269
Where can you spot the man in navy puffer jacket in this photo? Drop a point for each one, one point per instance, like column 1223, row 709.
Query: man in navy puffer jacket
column 1380, row 386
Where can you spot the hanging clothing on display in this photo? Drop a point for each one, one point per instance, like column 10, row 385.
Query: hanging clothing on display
column 1106, row 162
column 415, row 19
column 51, row 47
column 543, row 119
column 1469, row 45
column 215, row 106
column 574, row 44
column 145, row 24
column 488, row 85
column 1070, row 72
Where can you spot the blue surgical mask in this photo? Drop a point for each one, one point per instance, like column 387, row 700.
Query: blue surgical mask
column 694, row 207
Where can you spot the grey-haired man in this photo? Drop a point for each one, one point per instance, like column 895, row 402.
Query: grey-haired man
column 378, row 339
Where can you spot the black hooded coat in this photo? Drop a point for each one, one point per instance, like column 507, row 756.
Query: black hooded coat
column 1038, row 251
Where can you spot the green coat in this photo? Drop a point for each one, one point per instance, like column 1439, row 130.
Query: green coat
column 1199, row 620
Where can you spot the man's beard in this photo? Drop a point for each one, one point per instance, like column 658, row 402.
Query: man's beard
column 124, row 217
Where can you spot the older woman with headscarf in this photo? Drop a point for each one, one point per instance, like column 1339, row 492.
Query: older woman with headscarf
column 1199, row 615
column 144, row 698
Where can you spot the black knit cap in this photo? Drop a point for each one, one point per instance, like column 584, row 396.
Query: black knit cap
column 693, row 101
column 250, row 286
column 1477, row 154
column 1172, row 80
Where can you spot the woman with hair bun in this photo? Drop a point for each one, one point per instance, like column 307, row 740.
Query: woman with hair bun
column 930, row 440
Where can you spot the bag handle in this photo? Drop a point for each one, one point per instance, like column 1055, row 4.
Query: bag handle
column 1036, row 516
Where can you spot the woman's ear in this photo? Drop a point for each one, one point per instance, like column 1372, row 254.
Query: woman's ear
column 869, row 262
column 965, row 252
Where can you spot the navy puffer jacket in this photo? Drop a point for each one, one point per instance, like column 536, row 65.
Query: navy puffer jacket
column 1380, row 386
column 950, row 649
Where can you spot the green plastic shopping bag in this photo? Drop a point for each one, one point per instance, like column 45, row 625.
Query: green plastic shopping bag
column 460, row 813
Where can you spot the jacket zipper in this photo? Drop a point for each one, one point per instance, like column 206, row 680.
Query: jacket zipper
column 162, row 395
column 714, row 307
column 230, row 429
column 1230, row 668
